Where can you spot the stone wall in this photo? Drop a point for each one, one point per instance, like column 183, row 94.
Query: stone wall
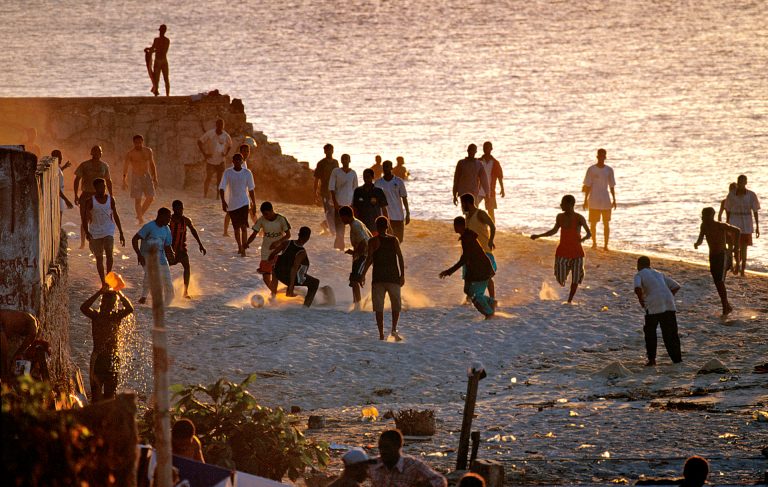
column 170, row 126
column 33, row 250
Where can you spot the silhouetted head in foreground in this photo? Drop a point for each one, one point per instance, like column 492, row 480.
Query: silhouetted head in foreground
column 162, row 29
column 178, row 207
column 346, row 214
column 56, row 154
column 304, row 234
column 96, row 152
column 382, row 224
column 487, row 149
column 328, row 150
column 695, row 472
column 708, row 214
column 471, row 480
column 471, row 151
column 567, row 203
column 163, row 217
column 643, row 262
column 386, row 168
column 368, row 176
column 467, row 202
column 459, row 224
column 390, row 443
column 741, row 182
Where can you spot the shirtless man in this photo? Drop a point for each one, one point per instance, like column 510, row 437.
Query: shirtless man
column 105, row 328
column 141, row 161
column 160, row 48
column 15, row 324
column 722, row 239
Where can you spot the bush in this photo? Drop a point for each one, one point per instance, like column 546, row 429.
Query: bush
column 238, row 433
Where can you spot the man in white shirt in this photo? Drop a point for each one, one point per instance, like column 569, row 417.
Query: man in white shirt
column 238, row 184
column 341, row 186
column 741, row 207
column 358, row 237
column 597, row 182
column 656, row 293
column 215, row 145
column 397, row 197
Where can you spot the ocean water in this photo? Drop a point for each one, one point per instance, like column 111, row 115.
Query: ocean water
column 676, row 91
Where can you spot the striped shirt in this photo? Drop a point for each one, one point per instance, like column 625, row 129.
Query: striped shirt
column 179, row 233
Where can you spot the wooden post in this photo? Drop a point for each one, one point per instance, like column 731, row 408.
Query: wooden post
column 475, row 373
column 475, row 436
column 163, row 473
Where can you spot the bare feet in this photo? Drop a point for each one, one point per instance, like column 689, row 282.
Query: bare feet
column 397, row 337
column 728, row 309
column 187, row 296
column 650, row 363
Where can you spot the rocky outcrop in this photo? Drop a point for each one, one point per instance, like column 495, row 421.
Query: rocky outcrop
column 170, row 126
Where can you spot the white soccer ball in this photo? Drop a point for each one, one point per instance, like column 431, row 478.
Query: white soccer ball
column 257, row 301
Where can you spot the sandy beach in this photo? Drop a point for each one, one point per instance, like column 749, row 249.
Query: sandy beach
column 544, row 410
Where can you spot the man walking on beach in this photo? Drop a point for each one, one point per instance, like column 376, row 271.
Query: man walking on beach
column 160, row 49
column 369, row 202
column 141, row 162
column 469, row 176
column 323, row 170
column 478, row 268
column 597, row 182
column 341, row 186
column 723, row 241
column 481, row 223
column 104, row 369
column 214, row 145
column 388, row 275
column 397, row 198
column 234, row 190
column 358, row 237
column 85, row 174
column 179, row 225
column 741, row 207
column 656, row 293
column 276, row 231
column 292, row 265
column 156, row 235
column 569, row 255
column 99, row 218
column 493, row 174
column 393, row 469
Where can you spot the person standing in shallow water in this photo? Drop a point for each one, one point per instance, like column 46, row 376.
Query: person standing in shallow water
column 741, row 207
column 723, row 241
column 597, row 182
column 494, row 174
column 377, row 168
column 569, row 256
column 656, row 293
column 160, row 49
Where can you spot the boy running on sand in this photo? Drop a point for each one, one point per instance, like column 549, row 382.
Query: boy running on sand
column 723, row 242
column 99, row 218
column 479, row 269
column 105, row 328
column 276, row 231
column 179, row 224
column 358, row 237
column 291, row 267
column 569, row 256
column 388, row 274
column 482, row 224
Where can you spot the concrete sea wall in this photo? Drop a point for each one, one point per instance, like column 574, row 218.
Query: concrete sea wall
column 33, row 251
column 170, row 126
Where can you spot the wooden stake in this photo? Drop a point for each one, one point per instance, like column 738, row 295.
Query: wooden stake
column 475, row 374
column 163, row 473
column 475, row 436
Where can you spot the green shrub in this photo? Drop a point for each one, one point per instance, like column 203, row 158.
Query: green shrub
column 238, row 433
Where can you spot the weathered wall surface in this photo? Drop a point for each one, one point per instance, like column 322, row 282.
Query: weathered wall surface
column 170, row 126
column 33, row 250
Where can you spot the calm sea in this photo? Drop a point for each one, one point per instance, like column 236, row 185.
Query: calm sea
column 675, row 91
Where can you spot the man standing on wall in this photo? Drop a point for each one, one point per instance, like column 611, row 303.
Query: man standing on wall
column 86, row 173
column 160, row 49
column 215, row 145
column 141, row 161
column 598, row 180
column 99, row 218
column 397, row 197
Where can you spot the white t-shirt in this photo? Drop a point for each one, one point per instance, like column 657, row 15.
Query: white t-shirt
column 236, row 185
column 217, row 145
column 599, row 179
column 394, row 189
column 488, row 169
column 358, row 232
column 273, row 231
column 740, row 208
column 343, row 184
column 657, row 290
